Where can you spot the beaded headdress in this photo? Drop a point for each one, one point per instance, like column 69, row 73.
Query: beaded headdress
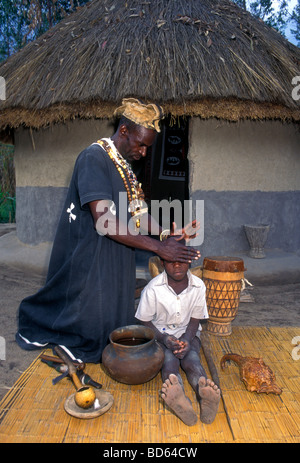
column 147, row 115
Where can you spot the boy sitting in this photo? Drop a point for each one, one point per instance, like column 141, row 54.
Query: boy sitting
column 172, row 304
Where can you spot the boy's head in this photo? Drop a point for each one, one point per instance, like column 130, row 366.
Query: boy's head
column 175, row 270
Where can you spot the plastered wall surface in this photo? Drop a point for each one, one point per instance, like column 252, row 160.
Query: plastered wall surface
column 44, row 161
column 246, row 173
column 244, row 156
column 46, row 157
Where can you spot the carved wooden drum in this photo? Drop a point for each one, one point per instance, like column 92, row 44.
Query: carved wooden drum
column 222, row 277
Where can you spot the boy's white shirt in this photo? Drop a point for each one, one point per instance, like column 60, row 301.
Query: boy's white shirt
column 170, row 312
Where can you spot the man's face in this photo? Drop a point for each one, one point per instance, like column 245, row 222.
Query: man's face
column 135, row 143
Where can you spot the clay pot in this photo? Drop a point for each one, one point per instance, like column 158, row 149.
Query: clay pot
column 133, row 355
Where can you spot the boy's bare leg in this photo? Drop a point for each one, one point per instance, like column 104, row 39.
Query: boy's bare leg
column 209, row 398
column 207, row 392
column 174, row 396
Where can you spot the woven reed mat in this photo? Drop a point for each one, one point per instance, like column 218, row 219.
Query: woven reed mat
column 33, row 410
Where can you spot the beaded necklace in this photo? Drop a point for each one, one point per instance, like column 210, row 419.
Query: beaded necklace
column 134, row 191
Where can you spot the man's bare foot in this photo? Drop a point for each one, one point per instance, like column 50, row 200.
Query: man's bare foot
column 209, row 399
column 174, row 396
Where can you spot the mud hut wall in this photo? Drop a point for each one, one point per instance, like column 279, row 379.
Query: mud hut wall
column 246, row 173
column 44, row 161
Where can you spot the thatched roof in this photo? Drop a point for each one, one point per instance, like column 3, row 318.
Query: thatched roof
column 201, row 57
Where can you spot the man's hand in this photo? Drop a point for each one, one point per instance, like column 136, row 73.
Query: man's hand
column 174, row 251
column 107, row 223
column 187, row 233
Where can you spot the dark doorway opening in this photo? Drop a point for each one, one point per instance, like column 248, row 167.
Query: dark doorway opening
column 164, row 172
column 164, row 175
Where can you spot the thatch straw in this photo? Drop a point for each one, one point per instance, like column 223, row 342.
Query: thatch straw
column 33, row 410
column 204, row 58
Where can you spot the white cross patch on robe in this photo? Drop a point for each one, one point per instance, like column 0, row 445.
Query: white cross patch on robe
column 69, row 211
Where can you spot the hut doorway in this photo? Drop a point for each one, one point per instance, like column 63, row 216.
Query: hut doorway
column 164, row 171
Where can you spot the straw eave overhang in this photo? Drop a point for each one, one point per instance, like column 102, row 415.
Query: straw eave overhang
column 206, row 59
column 232, row 110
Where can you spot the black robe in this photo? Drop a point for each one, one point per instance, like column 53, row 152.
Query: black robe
column 90, row 285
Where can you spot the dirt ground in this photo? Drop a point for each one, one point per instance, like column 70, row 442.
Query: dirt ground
column 272, row 306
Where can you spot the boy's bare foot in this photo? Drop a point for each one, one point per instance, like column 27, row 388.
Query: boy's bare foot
column 209, row 399
column 174, row 396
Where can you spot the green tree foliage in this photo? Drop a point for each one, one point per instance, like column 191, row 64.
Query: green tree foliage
column 12, row 26
column 296, row 22
column 276, row 14
column 7, row 184
column 24, row 20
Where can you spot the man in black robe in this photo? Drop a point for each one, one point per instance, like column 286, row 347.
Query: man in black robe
column 90, row 286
